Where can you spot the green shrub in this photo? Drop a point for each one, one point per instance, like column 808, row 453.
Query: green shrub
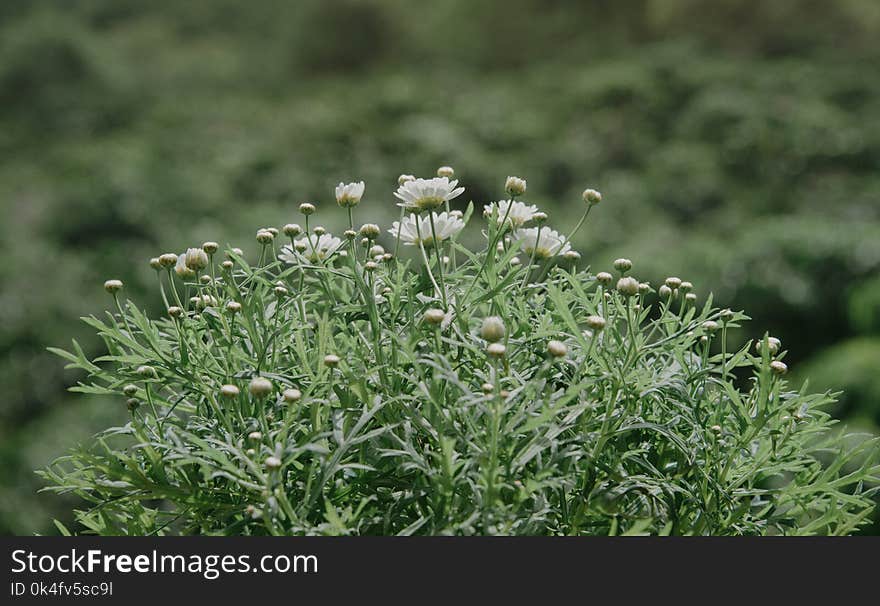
column 331, row 387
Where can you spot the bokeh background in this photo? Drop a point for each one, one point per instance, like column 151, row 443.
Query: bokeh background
column 737, row 144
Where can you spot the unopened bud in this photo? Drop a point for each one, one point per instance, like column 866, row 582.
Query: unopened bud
column 628, row 286
column 292, row 230
column 515, row 186
column 168, row 260
column 623, row 265
column 260, row 387
column 492, row 329
column 265, row 236
column 196, row 259
column 229, row 391
column 292, row 395
column 434, row 316
column 113, row 286
column 595, row 323
column 591, row 196
column 557, row 349
column 496, row 350
column 778, row 368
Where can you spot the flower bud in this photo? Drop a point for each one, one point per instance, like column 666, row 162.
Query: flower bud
column 236, row 251
column 175, row 312
column 456, row 214
column 155, row 263
column 665, row 292
column 227, row 264
column 571, row 255
column 690, row 298
column 371, row 266
column 113, row 286
column 710, row 326
column 778, row 368
column 260, row 387
column 376, row 251
column 673, row 282
column 233, row 307
column 405, row 179
column 591, row 196
column 434, row 316
column 168, row 260
column 350, row 234
column 773, row 345
column 686, row 287
column 307, row 209
column 623, row 265
column 539, row 217
column 210, row 247
column 205, row 279
column 445, row 171
column 725, row 315
column 496, row 350
column 387, row 257
column 515, row 262
column 196, row 259
column 515, row 186
column 487, row 388
column 132, row 404
column 319, row 230
column 331, row 360
column 628, row 286
column 146, row 371
column 644, row 288
column 557, row 349
column 292, row 230
column 595, row 323
column 273, row 230
column 370, row 230
column 492, row 329
column 281, row 291
column 292, row 395
column 130, row 390
column 604, row 278
column 264, row 236
column 256, row 436
column 272, row 463
column 229, row 391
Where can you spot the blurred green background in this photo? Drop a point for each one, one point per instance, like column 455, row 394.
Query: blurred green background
column 736, row 142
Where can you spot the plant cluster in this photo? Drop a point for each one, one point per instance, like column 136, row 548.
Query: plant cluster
column 341, row 385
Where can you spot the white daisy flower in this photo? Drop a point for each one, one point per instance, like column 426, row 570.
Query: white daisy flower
column 550, row 243
column 427, row 194
column 518, row 215
column 349, row 194
column 181, row 268
column 311, row 248
column 445, row 224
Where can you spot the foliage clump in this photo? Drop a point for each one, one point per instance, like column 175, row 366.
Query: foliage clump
column 336, row 386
